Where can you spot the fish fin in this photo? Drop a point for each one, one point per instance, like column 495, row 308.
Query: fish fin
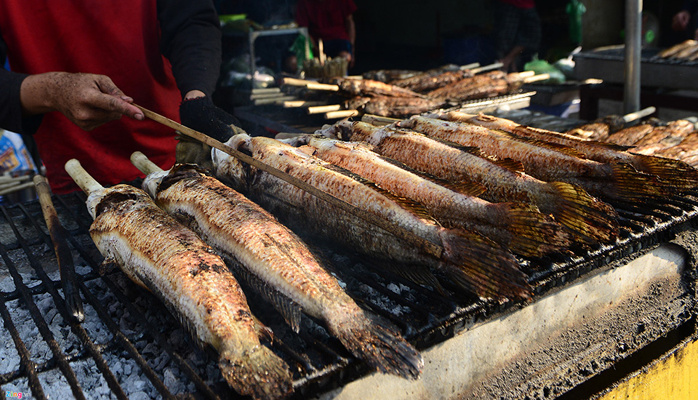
column 510, row 164
column 258, row 373
column 676, row 173
column 533, row 234
column 415, row 273
column 408, row 204
column 588, row 218
column 633, row 185
column 375, row 341
column 289, row 309
column 483, row 267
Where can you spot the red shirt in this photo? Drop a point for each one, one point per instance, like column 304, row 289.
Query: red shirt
column 520, row 3
column 325, row 19
column 119, row 39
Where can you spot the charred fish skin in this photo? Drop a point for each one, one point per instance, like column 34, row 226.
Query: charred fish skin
column 192, row 281
column 470, row 260
column 517, row 226
column 242, row 230
column 675, row 173
column 618, row 181
column 586, row 217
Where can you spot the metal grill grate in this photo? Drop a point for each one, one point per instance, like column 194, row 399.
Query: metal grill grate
column 128, row 335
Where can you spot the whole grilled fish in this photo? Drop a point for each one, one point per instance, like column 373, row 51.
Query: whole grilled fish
column 470, row 260
column 520, row 227
column 549, row 163
column 161, row 255
column 586, row 217
column 249, row 235
column 673, row 172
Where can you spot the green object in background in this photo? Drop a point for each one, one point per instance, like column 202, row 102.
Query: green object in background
column 575, row 9
column 544, row 67
column 298, row 48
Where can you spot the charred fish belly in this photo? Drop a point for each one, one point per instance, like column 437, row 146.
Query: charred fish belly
column 548, row 163
column 171, row 261
column 246, row 233
column 587, row 218
column 518, row 226
column 471, row 260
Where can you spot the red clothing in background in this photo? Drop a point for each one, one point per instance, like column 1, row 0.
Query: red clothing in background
column 520, row 3
column 325, row 19
column 119, row 39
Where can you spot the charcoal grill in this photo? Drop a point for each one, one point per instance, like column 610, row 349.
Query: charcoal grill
column 129, row 335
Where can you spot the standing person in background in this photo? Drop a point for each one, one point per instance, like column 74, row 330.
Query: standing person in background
column 518, row 32
column 685, row 22
column 78, row 65
column 333, row 22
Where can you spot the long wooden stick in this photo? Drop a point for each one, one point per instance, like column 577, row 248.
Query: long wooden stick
column 404, row 234
column 66, row 265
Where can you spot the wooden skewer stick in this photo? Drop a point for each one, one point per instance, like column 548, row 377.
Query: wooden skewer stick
column 86, row 182
column 302, row 103
column 469, row 66
column 324, row 109
column 536, row 78
column 66, row 265
column 404, row 234
column 378, row 120
column 322, row 86
column 341, row 114
column 16, row 188
column 143, row 163
column 487, row 68
column 639, row 114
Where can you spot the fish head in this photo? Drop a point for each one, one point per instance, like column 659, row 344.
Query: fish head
column 151, row 182
column 93, row 199
column 229, row 168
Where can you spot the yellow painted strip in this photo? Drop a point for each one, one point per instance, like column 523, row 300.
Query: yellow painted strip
column 673, row 378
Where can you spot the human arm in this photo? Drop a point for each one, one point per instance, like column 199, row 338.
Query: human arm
column 87, row 100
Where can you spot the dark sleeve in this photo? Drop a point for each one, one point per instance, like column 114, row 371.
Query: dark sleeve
column 191, row 40
column 10, row 106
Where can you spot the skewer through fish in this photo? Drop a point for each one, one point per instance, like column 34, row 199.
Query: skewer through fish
column 171, row 261
column 520, row 227
column 586, row 217
column 546, row 162
column 472, row 261
column 254, row 240
column 675, row 173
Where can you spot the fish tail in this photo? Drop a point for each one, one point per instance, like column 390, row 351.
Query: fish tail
column 589, row 219
column 633, row 185
column 676, row 173
column 258, row 373
column 533, row 234
column 481, row 266
column 373, row 340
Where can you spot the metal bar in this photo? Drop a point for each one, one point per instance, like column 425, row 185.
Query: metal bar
column 25, row 361
column 633, row 49
column 41, row 324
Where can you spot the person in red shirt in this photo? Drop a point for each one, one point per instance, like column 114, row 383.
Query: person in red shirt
column 77, row 66
column 333, row 22
column 518, row 32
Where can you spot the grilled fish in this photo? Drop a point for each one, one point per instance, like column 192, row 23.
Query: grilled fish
column 586, row 217
column 163, row 256
column 470, row 260
column 367, row 87
column 254, row 239
column 613, row 180
column 430, row 81
column 518, row 226
column 675, row 173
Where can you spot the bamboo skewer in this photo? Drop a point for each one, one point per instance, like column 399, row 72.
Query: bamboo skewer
column 634, row 116
column 487, row 68
column 324, row 109
column 410, row 237
column 66, row 265
column 341, row 114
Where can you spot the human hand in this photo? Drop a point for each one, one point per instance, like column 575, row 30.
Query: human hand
column 680, row 21
column 200, row 114
column 88, row 100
